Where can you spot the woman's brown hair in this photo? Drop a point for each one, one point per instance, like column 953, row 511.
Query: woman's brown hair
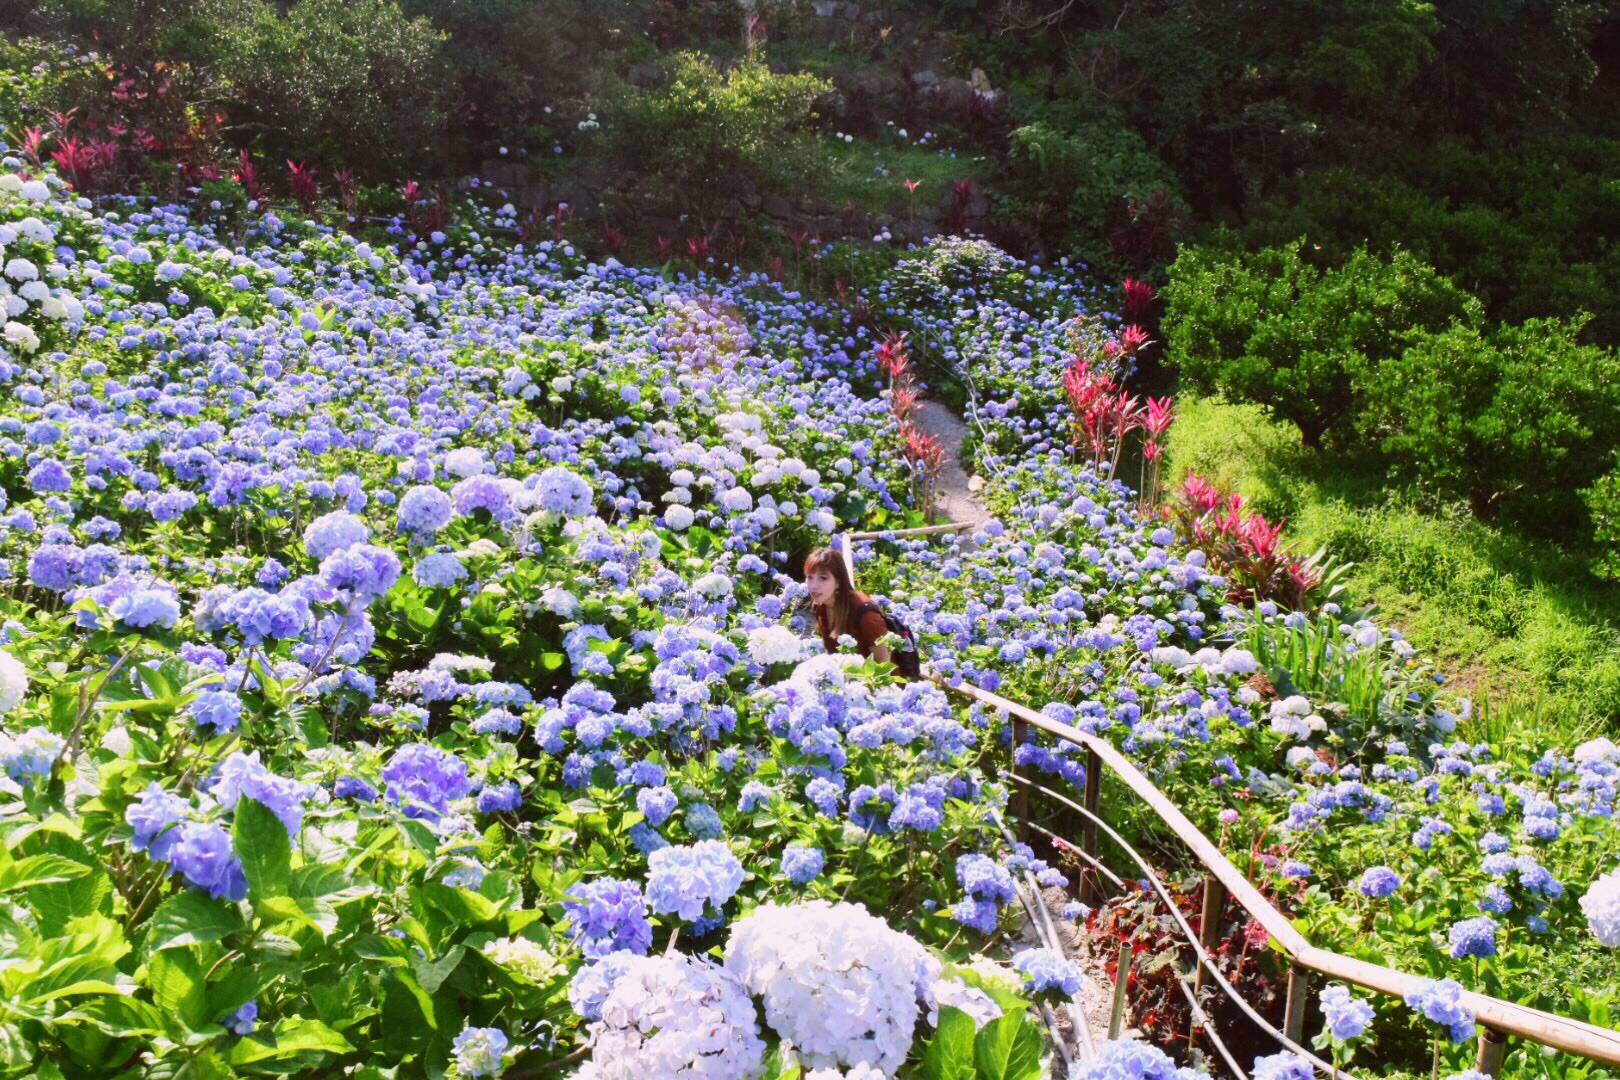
column 841, row 617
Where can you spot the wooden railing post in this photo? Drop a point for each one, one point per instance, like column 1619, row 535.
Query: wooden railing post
column 1122, row 976
column 1089, row 892
column 1209, row 927
column 1020, row 792
column 1299, row 988
column 1492, row 1050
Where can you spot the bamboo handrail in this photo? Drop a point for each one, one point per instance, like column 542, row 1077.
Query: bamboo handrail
column 927, row 530
column 1547, row 1029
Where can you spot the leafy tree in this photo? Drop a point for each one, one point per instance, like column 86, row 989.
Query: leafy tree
column 1268, row 327
column 1520, row 411
column 706, row 137
column 355, row 81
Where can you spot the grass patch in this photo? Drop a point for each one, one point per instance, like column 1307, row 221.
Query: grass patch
column 872, row 173
column 1521, row 624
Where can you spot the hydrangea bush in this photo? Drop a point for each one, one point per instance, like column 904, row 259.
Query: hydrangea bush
column 402, row 649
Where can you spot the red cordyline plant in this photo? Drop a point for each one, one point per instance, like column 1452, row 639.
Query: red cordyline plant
column 1138, row 300
column 34, row 144
column 248, row 177
column 77, row 161
column 1103, row 415
column 348, row 192
column 1248, row 550
column 927, row 458
column 1156, row 421
column 305, row 191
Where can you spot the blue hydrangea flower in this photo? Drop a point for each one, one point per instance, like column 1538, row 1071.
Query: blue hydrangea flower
column 1284, row 1066
column 219, row 709
column 478, row 1051
column 1441, row 1002
column 1379, row 882
column 1474, row 937
column 1347, row 1017
column 242, row 1021
column 1045, row 971
column 500, row 798
column 424, row 780
column 609, row 916
column 802, row 863
column 684, row 880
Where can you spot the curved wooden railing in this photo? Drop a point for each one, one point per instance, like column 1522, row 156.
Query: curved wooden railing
column 1498, row 1019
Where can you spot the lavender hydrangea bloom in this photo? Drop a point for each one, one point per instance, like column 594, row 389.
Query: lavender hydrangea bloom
column 243, row 1020
column 424, row 780
column 203, row 856
column 424, row 510
column 1379, row 882
column 684, row 880
column 1283, row 1066
column 500, row 798
column 1046, row 971
column 1441, row 1002
column 334, row 532
column 365, row 570
column 609, row 916
column 1347, row 1017
column 153, row 817
column 219, row 709
column 1127, row 1059
column 802, row 864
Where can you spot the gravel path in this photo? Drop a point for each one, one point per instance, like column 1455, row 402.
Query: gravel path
column 956, row 498
column 1096, row 996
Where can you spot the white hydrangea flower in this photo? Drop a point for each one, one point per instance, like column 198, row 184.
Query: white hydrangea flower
column 1601, row 906
column 774, row 645
column 715, row 586
column 675, row 1016
column 523, row 957
column 559, row 601
column 13, row 682
column 464, row 462
column 457, row 662
column 1597, row 750
column 680, row 495
column 837, row 983
column 679, row 518
column 20, row 335
column 971, row 1000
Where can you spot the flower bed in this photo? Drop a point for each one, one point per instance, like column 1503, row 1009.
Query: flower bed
column 404, row 669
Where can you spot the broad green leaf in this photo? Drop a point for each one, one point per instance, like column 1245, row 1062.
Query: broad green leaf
column 294, row 1040
column 176, row 979
column 39, row 870
column 261, row 842
column 1008, row 1049
column 16, row 1051
column 118, row 1015
column 189, row 919
column 431, row 974
column 950, row 1051
column 315, row 913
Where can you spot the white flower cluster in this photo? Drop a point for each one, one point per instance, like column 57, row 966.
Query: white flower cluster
column 837, row 983
column 1601, row 906
column 1292, row 716
column 676, row 1017
column 13, row 682
column 774, row 645
column 523, row 958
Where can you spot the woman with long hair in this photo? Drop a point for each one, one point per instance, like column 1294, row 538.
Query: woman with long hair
column 840, row 609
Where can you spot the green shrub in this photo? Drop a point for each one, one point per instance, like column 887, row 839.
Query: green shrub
column 351, row 81
column 706, row 139
column 1269, row 328
column 1076, row 178
column 1522, row 413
